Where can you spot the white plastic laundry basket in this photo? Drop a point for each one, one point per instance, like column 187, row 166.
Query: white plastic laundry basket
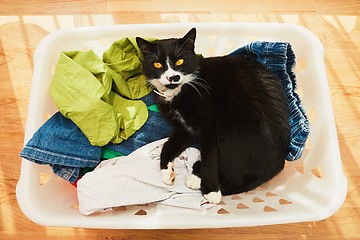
column 312, row 188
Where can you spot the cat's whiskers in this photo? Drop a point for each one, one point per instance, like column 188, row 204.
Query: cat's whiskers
column 203, row 85
column 193, row 82
column 198, row 84
column 193, row 86
column 199, row 78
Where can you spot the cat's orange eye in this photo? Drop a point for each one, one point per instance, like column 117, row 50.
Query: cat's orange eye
column 157, row 65
column 179, row 62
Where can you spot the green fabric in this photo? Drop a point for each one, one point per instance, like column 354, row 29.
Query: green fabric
column 97, row 94
column 107, row 153
column 153, row 108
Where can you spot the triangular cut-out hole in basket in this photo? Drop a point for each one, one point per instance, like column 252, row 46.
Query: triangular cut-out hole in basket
column 283, row 201
column 270, row 194
column 141, row 213
column 44, row 178
column 235, row 197
column 249, row 193
column 300, row 168
column 257, row 200
column 317, row 172
column 269, row 209
column 260, row 188
column 241, row 206
column 121, row 208
column 222, row 211
column 287, row 165
column 221, row 203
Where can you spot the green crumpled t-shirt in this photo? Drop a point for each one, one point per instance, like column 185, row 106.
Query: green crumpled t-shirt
column 99, row 95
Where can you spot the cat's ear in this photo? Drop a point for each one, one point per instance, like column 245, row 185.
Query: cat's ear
column 189, row 39
column 143, row 44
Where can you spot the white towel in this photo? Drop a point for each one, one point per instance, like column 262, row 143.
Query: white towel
column 136, row 179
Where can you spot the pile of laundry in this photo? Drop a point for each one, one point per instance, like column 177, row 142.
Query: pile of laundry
column 107, row 136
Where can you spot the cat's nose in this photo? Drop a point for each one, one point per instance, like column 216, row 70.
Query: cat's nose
column 174, row 79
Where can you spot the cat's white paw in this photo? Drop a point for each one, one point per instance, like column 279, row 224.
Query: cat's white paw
column 213, row 197
column 168, row 174
column 192, row 181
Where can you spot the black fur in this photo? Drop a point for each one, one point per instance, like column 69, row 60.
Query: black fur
column 234, row 108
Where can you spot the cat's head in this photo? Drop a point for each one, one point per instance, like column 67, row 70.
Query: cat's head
column 169, row 63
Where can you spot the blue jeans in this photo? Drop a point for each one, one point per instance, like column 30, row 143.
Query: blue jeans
column 62, row 145
column 280, row 58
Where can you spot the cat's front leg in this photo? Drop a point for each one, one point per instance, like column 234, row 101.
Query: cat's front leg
column 209, row 168
column 176, row 144
column 168, row 174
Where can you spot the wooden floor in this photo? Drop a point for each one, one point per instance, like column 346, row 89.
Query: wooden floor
column 24, row 23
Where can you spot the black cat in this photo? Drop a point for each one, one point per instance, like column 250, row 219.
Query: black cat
column 233, row 107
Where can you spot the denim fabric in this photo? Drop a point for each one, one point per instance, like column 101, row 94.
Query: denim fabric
column 280, row 58
column 62, row 145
